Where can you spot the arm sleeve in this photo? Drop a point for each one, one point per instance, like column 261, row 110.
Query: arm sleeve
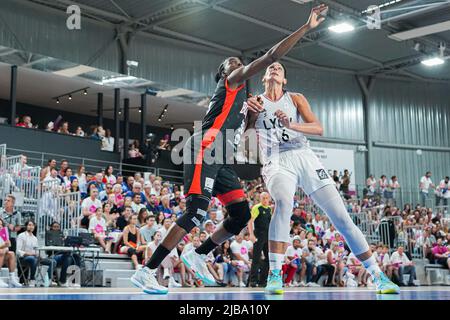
column 255, row 212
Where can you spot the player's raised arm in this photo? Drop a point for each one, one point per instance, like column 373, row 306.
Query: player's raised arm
column 279, row 50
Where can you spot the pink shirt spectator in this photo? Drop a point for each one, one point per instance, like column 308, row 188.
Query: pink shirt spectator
column 439, row 250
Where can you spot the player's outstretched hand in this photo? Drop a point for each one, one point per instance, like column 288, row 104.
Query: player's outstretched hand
column 255, row 104
column 317, row 16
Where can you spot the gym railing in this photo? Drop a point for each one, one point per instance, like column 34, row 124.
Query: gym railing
column 94, row 165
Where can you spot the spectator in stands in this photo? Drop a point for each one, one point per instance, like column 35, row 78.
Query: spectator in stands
column 82, row 181
column 45, row 172
column 97, row 182
column 142, row 216
column 89, row 207
column 67, row 182
column 444, row 192
column 79, row 132
column 318, row 223
column 118, row 196
column 50, row 126
column 441, row 254
column 137, row 204
column 355, row 267
column 95, row 133
column 149, row 229
column 137, row 189
column 345, row 184
column 8, row 258
column 371, row 185
column 425, row 184
column 74, row 185
column 392, row 187
column 383, row 184
column 25, row 123
column 12, row 219
column 97, row 226
column 122, row 221
column 156, row 190
column 132, row 242
column 134, row 152
column 297, row 216
column 62, row 168
column 169, row 262
column 166, row 224
column 330, row 233
column 147, row 190
column 225, row 264
column 128, row 185
column 64, row 128
column 111, row 215
column 292, row 261
column 381, row 254
column 336, row 179
column 108, row 141
column 164, row 207
column 164, row 143
column 64, row 259
column 324, row 265
column 26, row 251
column 21, row 165
column 402, row 265
column 209, row 226
column 240, row 253
column 104, row 195
column 309, row 259
column 109, row 176
column 53, row 176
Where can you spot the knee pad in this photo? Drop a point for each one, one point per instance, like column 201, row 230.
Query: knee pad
column 238, row 217
column 131, row 251
column 196, row 206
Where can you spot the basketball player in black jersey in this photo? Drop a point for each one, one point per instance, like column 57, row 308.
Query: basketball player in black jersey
column 204, row 180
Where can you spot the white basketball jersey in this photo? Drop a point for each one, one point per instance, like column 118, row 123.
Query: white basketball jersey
column 273, row 137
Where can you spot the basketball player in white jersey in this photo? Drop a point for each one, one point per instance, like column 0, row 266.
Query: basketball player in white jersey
column 281, row 120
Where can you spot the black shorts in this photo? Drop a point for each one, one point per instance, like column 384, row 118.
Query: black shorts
column 212, row 180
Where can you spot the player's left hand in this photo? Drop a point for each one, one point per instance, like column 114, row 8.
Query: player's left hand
column 317, row 16
column 284, row 119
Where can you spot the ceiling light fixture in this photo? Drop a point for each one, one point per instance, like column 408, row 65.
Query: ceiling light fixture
column 341, row 27
column 434, row 61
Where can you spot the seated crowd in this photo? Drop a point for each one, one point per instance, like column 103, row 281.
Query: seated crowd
column 96, row 132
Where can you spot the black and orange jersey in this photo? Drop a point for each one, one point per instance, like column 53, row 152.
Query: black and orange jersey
column 226, row 116
column 225, row 109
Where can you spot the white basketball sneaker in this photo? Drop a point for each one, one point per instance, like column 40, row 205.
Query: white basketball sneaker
column 196, row 262
column 145, row 279
column 14, row 282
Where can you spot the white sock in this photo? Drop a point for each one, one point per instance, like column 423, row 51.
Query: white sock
column 276, row 261
column 371, row 265
column 12, row 274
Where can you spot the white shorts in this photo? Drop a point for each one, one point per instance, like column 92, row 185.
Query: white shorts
column 301, row 166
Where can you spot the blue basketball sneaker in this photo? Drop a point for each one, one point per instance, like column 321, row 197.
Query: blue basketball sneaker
column 274, row 283
column 383, row 284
